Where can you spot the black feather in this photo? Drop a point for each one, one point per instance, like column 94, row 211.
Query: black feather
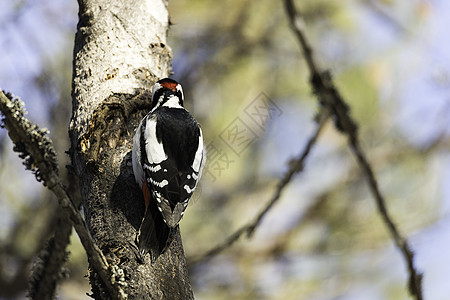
column 153, row 234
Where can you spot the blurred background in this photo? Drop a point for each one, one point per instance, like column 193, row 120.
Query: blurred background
column 324, row 238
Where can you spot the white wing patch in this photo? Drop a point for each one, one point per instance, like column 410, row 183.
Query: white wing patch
column 198, row 154
column 154, row 149
column 136, row 157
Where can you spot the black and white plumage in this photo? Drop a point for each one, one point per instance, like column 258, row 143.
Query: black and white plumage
column 168, row 157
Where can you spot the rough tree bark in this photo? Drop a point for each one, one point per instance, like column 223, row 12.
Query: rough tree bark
column 120, row 51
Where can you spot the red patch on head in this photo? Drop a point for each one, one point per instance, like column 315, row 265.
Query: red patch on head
column 169, row 85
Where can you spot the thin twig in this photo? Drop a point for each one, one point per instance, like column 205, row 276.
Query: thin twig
column 330, row 97
column 296, row 166
column 36, row 149
column 415, row 278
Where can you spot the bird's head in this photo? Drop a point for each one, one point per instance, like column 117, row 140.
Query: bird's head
column 167, row 92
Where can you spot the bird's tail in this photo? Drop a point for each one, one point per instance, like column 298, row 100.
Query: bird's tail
column 154, row 235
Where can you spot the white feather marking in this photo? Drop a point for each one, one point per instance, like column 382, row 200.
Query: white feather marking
column 180, row 89
column 188, row 176
column 195, row 176
column 159, row 184
column 153, row 169
column 154, row 149
column 188, row 189
column 173, row 102
column 199, row 154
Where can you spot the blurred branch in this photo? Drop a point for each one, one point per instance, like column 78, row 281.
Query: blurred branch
column 330, row 98
column 36, row 149
column 48, row 269
column 295, row 166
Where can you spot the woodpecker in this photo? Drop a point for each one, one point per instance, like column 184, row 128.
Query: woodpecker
column 168, row 157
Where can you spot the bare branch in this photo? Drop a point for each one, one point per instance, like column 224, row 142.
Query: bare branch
column 37, row 150
column 330, row 98
column 296, row 165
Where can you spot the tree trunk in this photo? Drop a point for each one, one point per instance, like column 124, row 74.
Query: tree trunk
column 120, row 51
